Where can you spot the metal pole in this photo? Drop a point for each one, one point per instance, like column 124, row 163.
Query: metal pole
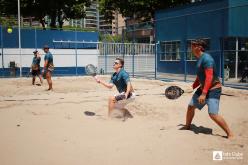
column 237, row 58
column 76, row 52
column 156, row 51
column 185, row 64
column 122, row 40
column 105, row 55
column 133, row 51
column 35, row 38
column 2, row 45
column 222, row 61
column 185, row 48
column 19, row 36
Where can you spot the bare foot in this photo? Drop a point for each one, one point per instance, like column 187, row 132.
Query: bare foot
column 185, row 128
column 230, row 137
column 126, row 116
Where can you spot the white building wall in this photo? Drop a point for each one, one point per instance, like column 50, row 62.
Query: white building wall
column 61, row 57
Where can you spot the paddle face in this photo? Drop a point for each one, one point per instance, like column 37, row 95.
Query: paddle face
column 173, row 92
column 89, row 113
column 90, row 70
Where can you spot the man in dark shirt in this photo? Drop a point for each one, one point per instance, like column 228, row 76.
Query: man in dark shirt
column 35, row 67
column 123, row 84
column 48, row 67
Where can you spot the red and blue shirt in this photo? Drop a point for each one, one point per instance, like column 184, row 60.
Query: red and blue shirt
column 206, row 73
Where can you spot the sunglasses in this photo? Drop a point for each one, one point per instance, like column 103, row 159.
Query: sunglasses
column 115, row 63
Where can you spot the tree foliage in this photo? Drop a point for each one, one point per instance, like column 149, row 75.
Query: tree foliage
column 137, row 9
column 56, row 9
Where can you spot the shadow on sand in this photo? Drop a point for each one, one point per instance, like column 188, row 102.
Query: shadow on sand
column 200, row 130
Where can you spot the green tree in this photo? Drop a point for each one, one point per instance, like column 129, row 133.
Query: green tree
column 55, row 9
column 138, row 9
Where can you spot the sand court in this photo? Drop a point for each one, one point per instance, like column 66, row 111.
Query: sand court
column 40, row 127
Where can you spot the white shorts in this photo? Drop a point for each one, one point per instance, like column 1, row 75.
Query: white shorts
column 122, row 103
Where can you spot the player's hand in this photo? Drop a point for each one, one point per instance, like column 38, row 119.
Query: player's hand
column 126, row 95
column 202, row 98
column 97, row 79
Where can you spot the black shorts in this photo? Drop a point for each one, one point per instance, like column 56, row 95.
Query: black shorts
column 36, row 72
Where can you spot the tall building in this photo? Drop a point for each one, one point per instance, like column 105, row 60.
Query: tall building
column 105, row 27
column 118, row 24
column 93, row 20
column 139, row 31
column 92, row 16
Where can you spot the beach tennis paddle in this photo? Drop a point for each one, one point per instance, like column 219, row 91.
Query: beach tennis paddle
column 91, row 70
column 173, row 92
column 89, row 113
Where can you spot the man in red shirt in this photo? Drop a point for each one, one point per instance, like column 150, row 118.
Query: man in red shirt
column 208, row 88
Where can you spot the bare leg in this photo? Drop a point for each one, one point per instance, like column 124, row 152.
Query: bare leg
column 111, row 105
column 189, row 117
column 41, row 81
column 126, row 114
column 33, row 80
column 49, row 80
column 222, row 123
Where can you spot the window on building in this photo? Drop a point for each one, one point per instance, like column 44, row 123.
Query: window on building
column 235, row 47
column 190, row 55
column 170, row 51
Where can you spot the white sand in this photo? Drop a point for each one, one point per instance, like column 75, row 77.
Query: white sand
column 49, row 128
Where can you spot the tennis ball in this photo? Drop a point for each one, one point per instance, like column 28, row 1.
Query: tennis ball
column 9, row 30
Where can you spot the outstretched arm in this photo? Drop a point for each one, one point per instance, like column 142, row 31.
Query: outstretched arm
column 108, row 85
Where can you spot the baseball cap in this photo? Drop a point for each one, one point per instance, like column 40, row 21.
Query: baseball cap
column 45, row 47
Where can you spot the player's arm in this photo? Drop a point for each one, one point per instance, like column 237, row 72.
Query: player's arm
column 196, row 83
column 129, row 86
column 108, row 85
column 45, row 64
column 30, row 68
column 128, row 82
column 208, row 81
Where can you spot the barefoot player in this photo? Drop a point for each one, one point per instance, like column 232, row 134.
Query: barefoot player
column 48, row 67
column 209, row 88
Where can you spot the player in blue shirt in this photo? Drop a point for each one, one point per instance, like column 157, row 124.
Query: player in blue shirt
column 48, row 67
column 208, row 88
column 35, row 67
column 123, row 84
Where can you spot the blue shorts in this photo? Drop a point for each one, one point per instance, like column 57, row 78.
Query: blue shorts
column 212, row 100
